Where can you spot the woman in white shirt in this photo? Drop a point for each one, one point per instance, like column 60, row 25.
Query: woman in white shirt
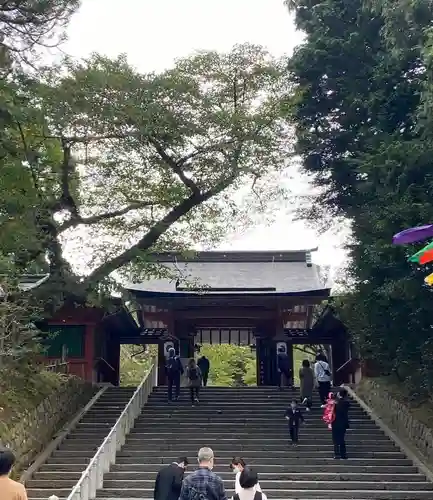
column 323, row 375
column 249, row 483
column 237, row 466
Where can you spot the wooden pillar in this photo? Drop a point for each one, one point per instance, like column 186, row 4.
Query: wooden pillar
column 266, row 355
column 113, row 357
column 89, row 352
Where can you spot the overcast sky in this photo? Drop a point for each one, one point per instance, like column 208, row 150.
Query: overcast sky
column 155, row 32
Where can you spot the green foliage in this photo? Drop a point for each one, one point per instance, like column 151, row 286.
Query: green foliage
column 231, row 365
column 135, row 361
column 23, row 389
column 364, row 136
column 141, row 162
column 19, row 337
column 28, row 25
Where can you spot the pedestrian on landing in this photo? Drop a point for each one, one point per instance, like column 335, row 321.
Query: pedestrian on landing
column 9, row 489
column 249, row 486
column 237, row 465
column 295, row 419
column 323, row 375
column 203, row 484
column 194, row 376
column 204, row 365
column 174, row 370
column 283, row 366
column 340, row 424
column 169, row 480
column 306, row 377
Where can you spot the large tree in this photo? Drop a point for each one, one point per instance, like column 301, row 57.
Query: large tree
column 363, row 136
column 28, row 25
column 121, row 163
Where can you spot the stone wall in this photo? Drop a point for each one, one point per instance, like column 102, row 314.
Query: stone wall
column 398, row 416
column 39, row 426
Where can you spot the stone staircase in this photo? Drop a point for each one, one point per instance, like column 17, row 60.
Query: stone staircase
column 63, row 469
column 248, row 422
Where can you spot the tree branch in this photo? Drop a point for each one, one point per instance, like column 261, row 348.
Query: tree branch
column 95, row 219
column 29, row 159
column 206, row 149
column 66, row 199
column 162, row 226
column 175, row 166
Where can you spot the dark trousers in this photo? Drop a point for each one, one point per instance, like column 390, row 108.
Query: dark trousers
column 338, row 438
column 194, row 392
column 324, row 390
column 294, row 433
column 284, row 376
column 173, row 381
column 205, row 376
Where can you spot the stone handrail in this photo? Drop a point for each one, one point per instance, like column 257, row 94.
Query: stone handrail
column 93, row 477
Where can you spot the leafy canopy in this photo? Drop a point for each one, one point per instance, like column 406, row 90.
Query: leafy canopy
column 364, row 135
column 135, row 162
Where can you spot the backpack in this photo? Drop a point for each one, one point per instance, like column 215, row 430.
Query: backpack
column 193, row 374
column 257, row 496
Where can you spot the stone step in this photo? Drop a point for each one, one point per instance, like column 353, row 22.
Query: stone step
column 134, row 442
column 46, row 493
column 56, row 483
column 221, row 447
column 199, row 411
column 282, row 476
column 111, row 484
column 223, row 420
column 91, row 425
column 105, row 411
column 228, row 427
column 244, row 433
column 53, row 475
column 63, row 467
column 66, row 453
column 185, row 434
column 291, row 466
column 110, row 407
column 83, row 461
column 287, row 494
column 290, row 461
column 83, row 434
column 245, row 390
column 227, row 455
column 100, row 417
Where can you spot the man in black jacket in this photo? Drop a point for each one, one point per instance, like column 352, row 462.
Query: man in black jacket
column 174, row 370
column 340, row 424
column 204, row 364
column 169, row 480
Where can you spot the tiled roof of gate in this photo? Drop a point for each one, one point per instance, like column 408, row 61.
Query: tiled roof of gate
column 278, row 272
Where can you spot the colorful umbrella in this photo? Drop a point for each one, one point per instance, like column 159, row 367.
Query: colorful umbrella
column 416, row 257
column 413, row 235
column 428, row 280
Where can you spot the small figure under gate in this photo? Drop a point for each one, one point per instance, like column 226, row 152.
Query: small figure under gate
column 295, row 418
